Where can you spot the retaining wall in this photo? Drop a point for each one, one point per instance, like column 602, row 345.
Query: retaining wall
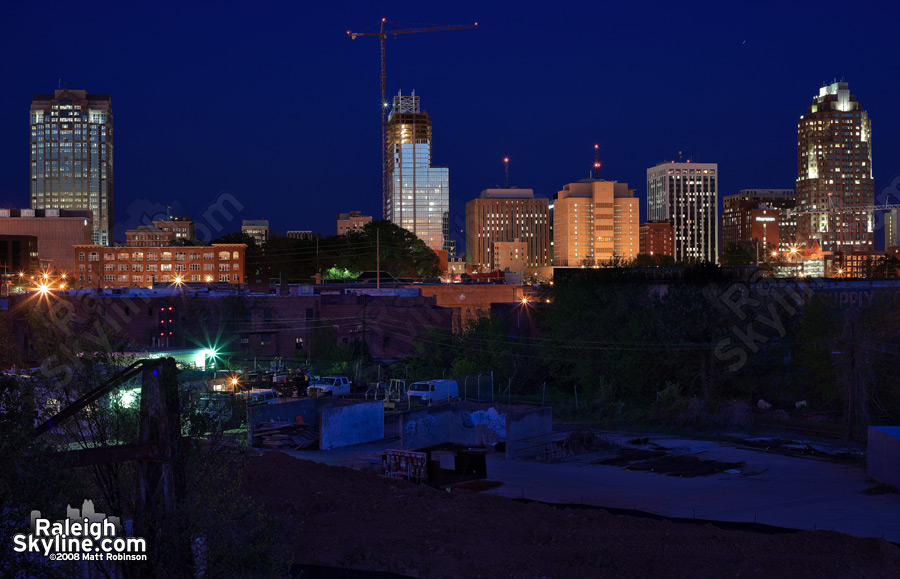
column 883, row 454
column 525, row 424
column 352, row 424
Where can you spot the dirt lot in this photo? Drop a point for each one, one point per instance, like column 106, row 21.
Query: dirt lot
column 344, row 518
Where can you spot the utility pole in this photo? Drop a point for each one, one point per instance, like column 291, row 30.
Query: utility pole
column 377, row 259
column 596, row 172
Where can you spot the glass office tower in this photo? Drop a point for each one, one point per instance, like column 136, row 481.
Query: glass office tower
column 72, row 156
column 418, row 198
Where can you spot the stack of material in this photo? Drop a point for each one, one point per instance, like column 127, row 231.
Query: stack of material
column 286, row 435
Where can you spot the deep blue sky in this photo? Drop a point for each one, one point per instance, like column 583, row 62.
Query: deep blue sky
column 276, row 105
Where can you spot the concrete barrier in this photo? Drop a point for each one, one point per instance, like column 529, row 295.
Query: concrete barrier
column 525, row 424
column 883, row 454
column 351, row 424
column 471, row 424
column 307, row 408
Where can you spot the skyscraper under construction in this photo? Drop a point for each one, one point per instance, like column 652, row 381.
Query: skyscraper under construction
column 418, row 195
column 834, row 171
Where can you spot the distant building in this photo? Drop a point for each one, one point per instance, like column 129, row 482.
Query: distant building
column 72, row 156
column 861, row 264
column 18, row 255
column 511, row 256
column 753, row 224
column 685, row 195
column 116, row 267
column 594, row 222
column 258, row 229
column 302, row 235
column 418, row 195
column 834, row 171
column 784, row 200
column 182, row 227
column 657, row 238
column 149, row 236
column 351, row 221
column 505, row 215
column 56, row 230
column 891, row 231
column 456, row 266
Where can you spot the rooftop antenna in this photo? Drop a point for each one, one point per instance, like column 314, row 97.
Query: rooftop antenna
column 679, row 156
column 506, row 168
column 596, row 171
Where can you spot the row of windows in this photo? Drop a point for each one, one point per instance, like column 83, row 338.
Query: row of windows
column 162, row 278
column 155, row 256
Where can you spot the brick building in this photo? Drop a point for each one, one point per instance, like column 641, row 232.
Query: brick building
column 248, row 326
column 751, row 223
column 657, row 238
column 56, row 230
column 119, row 267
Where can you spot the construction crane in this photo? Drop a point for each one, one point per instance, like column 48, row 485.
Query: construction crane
column 382, row 35
column 834, row 209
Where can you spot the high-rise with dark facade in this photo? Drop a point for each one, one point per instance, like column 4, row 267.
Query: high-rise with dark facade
column 418, row 195
column 72, row 156
column 684, row 194
column 834, row 171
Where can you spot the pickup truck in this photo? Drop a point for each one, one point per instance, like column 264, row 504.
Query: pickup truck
column 329, row 386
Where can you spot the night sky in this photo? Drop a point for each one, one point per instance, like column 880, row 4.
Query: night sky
column 279, row 107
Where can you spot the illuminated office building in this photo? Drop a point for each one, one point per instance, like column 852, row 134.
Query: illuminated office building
column 834, row 171
column 72, row 156
column 684, row 194
column 418, row 195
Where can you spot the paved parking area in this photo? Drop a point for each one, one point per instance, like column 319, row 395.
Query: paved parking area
column 772, row 489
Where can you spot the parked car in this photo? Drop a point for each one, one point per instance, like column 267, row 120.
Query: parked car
column 431, row 391
column 329, row 386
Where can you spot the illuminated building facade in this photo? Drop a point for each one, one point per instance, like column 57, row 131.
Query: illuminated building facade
column 116, row 267
column 501, row 215
column 684, row 194
column 72, row 156
column 351, row 221
column 834, row 171
column 594, row 222
column 418, row 195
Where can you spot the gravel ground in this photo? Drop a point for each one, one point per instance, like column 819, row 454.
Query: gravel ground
column 340, row 517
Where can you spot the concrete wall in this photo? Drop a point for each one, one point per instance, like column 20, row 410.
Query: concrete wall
column 308, row 408
column 884, row 454
column 467, row 424
column 352, row 424
column 526, row 424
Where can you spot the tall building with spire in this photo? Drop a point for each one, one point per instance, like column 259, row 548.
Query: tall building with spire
column 72, row 156
column 418, row 195
column 834, row 171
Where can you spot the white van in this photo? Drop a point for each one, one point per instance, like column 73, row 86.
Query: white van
column 431, row 391
column 258, row 396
